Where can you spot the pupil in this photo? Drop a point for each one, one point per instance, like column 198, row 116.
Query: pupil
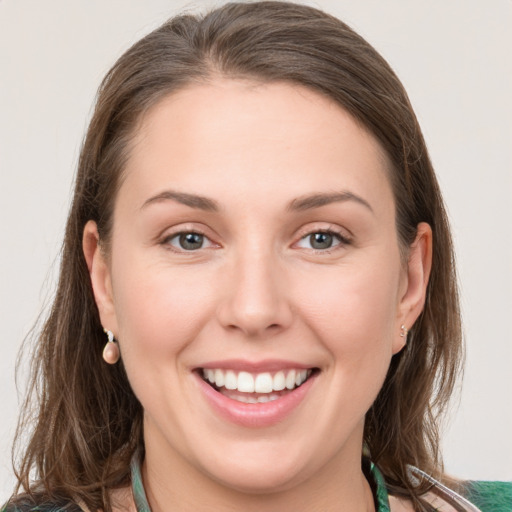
column 321, row 240
column 191, row 241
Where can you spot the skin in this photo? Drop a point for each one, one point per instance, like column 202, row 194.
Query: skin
column 256, row 290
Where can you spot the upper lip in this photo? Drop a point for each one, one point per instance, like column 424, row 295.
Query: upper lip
column 267, row 365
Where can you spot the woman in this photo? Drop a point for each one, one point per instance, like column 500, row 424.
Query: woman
column 257, row 288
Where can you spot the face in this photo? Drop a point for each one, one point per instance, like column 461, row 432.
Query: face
column 254, row 258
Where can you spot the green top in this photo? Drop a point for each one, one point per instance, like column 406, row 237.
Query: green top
column 486, row 496
column 490, row 496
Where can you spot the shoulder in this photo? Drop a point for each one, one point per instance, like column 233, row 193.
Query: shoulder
column 480, row 496
column 489, row 496
column 471, row 496
column 48, row 507
column 121, row 501
column 474, row 496
column 31, row 506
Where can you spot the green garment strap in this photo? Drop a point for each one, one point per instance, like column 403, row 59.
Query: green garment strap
column 381, row 493
column 139, row 494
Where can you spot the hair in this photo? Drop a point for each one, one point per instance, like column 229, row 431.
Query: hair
column 85, row 420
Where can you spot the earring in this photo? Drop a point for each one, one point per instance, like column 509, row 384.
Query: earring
column 111, row 350
column 403, row 331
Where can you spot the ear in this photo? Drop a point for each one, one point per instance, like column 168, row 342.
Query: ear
column 413, row 289
column 100, row 276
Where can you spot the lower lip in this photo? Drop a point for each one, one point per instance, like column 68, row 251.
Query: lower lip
column 257, row 415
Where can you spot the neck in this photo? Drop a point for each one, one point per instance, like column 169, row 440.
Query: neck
column 173, row 483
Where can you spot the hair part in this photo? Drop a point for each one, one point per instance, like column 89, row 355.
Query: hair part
column 87, row 423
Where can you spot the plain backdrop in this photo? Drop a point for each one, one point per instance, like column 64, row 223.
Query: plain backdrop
column 454, row 59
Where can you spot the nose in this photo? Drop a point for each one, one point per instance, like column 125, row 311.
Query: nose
column 256, row 301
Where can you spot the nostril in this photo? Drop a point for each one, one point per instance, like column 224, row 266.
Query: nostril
column 253, row 331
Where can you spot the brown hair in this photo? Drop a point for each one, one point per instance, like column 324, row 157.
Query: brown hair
column 87, row 423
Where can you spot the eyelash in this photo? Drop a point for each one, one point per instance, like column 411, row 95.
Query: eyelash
column 342, row 239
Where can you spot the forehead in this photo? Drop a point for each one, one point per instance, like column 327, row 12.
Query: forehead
column 261, row 139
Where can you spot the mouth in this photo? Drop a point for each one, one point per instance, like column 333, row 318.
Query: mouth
column 256, row 388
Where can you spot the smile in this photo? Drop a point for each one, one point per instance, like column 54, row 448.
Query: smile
column 255, row 387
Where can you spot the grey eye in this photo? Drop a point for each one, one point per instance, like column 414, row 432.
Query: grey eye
column 321, row 240
column 187, row 241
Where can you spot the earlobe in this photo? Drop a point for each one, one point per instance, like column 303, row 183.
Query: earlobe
column 99, row 273
column 414, row 293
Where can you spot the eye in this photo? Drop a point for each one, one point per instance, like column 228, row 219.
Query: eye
column 322, row 240
column 188, row 241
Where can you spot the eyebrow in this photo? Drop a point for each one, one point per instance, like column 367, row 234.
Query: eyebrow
column 302, row 203
column 317, row 200
column 192, row 200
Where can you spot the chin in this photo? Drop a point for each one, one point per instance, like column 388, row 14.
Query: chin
column 262, row 472
column 259, row 481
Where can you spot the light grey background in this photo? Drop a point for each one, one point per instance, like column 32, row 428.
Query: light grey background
column 454, row 59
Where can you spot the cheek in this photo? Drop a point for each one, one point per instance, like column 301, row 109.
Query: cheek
column 351, row 304
column 353, row 311
column 159, row 309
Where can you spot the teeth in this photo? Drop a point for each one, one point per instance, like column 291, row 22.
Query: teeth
column 246, row 382
column 254, row 400
column 290, row 380
column 219, row 378
column 299, row 378
column 231, row 380
column 279, row 381
column 263, row 383
column 268, row 398
column 210, row 375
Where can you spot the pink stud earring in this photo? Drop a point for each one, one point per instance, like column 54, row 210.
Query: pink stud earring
column 111, row 350
column 403, row 331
